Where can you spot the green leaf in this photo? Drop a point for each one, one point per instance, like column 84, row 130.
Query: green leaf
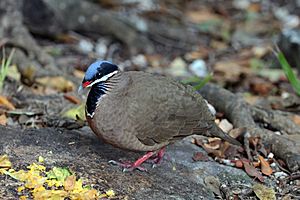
column 289, row 73
column 59, row 173
column 197, row 82
column 4, row 66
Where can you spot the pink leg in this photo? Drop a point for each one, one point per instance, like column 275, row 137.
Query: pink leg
column 135, row 165
column 159, row 156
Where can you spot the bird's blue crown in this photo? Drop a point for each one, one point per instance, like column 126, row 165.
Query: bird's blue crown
column 99, row 69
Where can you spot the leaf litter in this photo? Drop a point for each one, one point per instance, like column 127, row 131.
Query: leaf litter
column 56, row 183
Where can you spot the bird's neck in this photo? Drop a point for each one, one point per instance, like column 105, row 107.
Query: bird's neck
column 95, row 94
column 97, row 91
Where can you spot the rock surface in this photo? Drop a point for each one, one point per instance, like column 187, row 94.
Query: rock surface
column 178, row 176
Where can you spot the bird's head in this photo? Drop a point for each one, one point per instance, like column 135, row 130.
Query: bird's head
column 98, row 71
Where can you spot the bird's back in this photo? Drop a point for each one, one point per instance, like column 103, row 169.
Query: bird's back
column 153, row 109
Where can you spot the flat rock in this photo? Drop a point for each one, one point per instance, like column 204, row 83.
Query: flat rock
column 177, row 177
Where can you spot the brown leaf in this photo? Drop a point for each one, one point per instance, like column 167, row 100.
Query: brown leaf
column 239, row 164
column 4, row 102
column 213, row 143
column 265, row 167
column 200, row 53
column 251, row 171
column 231, row 70
column 70, row 183
column 214, row 152
column 72, row 99
column 223, row 148
column 296, row 119
column 3, row 119
column 260, row 86
column 201, row 15
column 79, row 74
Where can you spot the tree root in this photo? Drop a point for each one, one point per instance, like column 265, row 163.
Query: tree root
column 243, row 115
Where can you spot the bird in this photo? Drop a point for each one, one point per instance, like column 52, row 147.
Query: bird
column 140, row 111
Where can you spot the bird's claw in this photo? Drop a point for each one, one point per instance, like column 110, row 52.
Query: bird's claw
column 127, row 167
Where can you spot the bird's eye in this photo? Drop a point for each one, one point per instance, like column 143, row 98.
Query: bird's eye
column 98, row 75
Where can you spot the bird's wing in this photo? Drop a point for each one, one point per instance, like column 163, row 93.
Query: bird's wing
column 162, row 110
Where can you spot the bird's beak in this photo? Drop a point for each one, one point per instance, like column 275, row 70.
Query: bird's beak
column 80, row 89
column 83, row 86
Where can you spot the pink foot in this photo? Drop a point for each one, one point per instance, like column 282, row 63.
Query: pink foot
column 158, row 157
column 128, row 166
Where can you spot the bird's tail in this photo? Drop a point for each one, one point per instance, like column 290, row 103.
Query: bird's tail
column 216, row 131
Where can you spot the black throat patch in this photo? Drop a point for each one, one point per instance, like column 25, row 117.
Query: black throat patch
column 93, row 98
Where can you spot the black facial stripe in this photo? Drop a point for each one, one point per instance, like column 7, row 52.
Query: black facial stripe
column 94, row 96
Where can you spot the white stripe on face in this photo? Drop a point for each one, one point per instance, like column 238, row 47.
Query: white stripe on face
column 104, row 78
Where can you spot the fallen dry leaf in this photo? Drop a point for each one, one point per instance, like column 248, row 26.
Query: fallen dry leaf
column 251, row 171
column 260, row 86
column 231, row 70
column 263, row 192
column 239, row 164
column 72, row 98
column 57, row 82
column 296, row 119
column 79, row 74
column 213, row 143
column 3, row 120
column 200, row 53
column 70, row 183
column 5, row 162
column 44, row 184
column 4, row 102
column 201, row 15
column 265, row 167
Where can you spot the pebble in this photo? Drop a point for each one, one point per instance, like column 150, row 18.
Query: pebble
column 140, row 60
column 271, row 155
column 178, row 68
column 198, row 67
column 280, row 175
column 101, row 48
column 85, row 46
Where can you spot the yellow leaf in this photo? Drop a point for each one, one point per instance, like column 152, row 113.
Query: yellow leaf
column 13, row 72
column 41, row 159
column 77, row 112
column 263, row 192
column 4, row 162
column 58, row 83
column 21, row 188
column 23, row 197
column 36, row 167
column 110, row 193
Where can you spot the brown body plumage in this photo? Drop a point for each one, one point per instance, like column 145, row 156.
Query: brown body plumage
column 144, row 112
